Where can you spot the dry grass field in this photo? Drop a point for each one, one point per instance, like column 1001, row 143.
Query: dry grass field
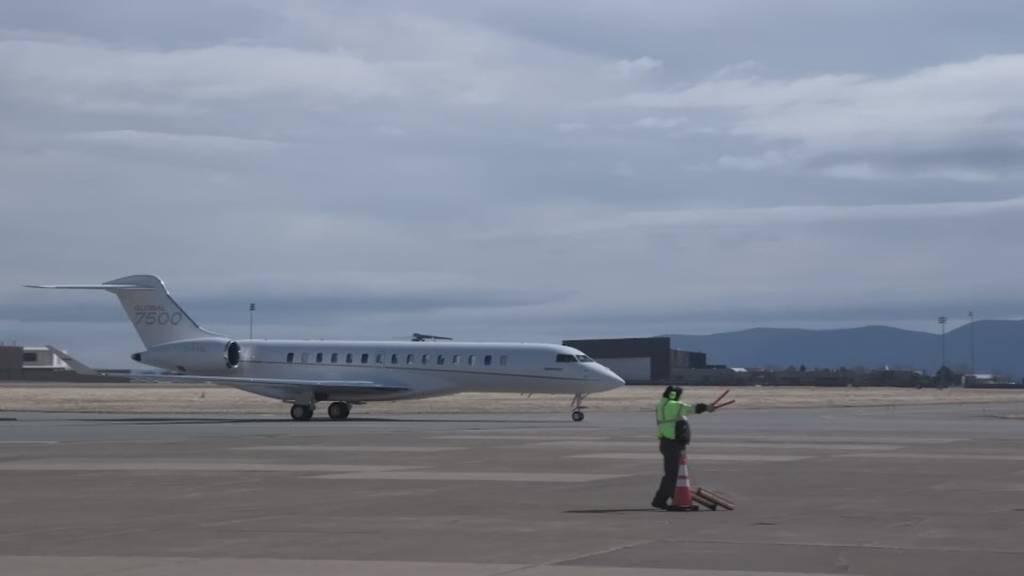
column 214, row 399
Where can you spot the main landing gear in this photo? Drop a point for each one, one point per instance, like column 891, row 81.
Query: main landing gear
column 339, row 410
column 577, row 407
column 336, row 411
column 303, row 412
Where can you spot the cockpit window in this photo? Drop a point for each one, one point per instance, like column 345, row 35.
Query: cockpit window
column 583, row 358
column 565, row 358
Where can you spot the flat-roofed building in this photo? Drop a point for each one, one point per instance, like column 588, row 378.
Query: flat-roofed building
column 641, row 360
column 10, row 362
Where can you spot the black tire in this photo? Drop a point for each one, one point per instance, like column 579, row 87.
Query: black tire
column 577, row 416
column 301, row 412
column 338, row 410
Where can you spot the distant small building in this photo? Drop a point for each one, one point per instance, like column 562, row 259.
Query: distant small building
column 10, row 362
column 42, row 358
column 47, row 364
column 641, row 360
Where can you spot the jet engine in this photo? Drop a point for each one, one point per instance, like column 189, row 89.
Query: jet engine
column 200, row 355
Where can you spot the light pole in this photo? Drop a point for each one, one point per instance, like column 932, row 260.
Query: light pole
column 252, row 311
column 942, row 325
column 971, row 316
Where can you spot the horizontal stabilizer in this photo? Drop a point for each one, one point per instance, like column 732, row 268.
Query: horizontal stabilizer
column 89, row 286
column 156, row 316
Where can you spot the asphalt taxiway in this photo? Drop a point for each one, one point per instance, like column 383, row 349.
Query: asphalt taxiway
column 929, row 490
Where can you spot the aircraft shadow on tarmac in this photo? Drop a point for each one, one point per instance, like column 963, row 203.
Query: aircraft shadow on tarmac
column 157, row 420
column 610, row 510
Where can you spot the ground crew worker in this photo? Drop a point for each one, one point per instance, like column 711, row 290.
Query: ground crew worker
column 673, row 436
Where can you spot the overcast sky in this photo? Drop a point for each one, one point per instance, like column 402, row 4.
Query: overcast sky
column 512, row 171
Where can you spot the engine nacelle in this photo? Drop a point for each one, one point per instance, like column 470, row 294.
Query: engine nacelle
column 199, row 355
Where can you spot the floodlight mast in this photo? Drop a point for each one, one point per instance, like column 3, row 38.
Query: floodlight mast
column 942, row 325
column 973, row 368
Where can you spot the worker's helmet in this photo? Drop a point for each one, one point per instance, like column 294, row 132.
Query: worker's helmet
column 672, row 392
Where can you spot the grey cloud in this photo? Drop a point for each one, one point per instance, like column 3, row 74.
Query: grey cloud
column 369, row 169
column 966, row 113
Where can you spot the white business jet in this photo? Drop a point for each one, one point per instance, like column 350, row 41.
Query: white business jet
column 304, row 372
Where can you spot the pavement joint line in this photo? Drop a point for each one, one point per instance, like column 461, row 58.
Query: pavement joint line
column 720, row 445
column 441, row 476
column 852, row 545
column 561, row 561
column 349, row 448
column 696, row 457
column 935, row 456
column 15, row 442
column 192, row 466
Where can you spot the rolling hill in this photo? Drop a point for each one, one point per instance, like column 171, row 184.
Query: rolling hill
column 998, row 347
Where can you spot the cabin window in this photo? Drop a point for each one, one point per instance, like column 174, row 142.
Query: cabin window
column 455, row 359
column 565, row 358
column 503, row 360
column 29, row 357
column 471, row 360
column 305, row 357
column 487, row 360
column 409, row 359
column 423, row 359
column 334, row 358
column 319, row 357
column 348, row 358
column 440, row 359
column 379, row 359
column 394, row 358
column 583, row 358
column 290, row 357
column 364, row 358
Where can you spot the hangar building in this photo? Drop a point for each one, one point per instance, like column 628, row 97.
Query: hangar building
column 47, row 364
column 641, row 360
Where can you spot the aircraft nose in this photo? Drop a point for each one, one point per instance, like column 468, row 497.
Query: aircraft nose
column 608, row 379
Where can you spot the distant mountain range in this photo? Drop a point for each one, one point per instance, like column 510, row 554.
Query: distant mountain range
column 999, row 348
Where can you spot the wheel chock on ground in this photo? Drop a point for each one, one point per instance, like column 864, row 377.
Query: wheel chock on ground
column 703, row 501
column 712, row 499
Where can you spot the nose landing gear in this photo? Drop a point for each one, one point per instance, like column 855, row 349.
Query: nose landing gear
column 577, row 407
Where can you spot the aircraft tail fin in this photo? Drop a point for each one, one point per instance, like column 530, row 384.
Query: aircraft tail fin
column 156, row 316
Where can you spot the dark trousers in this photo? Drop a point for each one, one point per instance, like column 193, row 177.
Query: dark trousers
column 671, row 452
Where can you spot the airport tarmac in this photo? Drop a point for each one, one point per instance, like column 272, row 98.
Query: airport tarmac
column 890, row 490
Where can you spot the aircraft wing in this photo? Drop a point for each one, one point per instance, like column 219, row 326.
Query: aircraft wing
column 75, row 365
column 350, row 387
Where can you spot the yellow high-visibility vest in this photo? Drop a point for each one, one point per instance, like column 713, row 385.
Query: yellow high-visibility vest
column 669, row 412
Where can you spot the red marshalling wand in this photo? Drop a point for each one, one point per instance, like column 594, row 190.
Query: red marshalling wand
column 718, row 401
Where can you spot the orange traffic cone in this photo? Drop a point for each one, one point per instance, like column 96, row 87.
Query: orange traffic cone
column 683, row 498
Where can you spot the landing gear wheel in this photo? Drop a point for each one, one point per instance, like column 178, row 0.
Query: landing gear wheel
column 301, row 412
column 338, row 410
column 577, row 407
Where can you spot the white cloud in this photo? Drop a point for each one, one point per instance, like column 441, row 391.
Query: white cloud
column 180, row 142
column 87, row 75
column 568, row 127
column 661, row 122
column 958, row 121
column 637, row 67
column 392, row 131
column 408, row 162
